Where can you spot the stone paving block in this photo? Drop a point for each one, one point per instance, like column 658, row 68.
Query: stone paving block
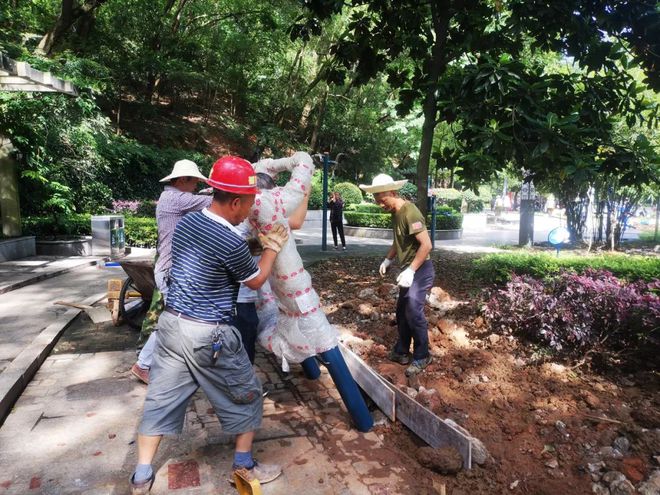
column 272, row 428
column 182, row 475
column 87, row 430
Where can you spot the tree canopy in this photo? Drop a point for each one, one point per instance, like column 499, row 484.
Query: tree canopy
column 564, row 92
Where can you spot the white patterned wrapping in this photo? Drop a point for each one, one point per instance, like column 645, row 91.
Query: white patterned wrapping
column 291, row 322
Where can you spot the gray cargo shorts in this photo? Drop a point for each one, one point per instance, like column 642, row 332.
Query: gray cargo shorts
column 183, row 362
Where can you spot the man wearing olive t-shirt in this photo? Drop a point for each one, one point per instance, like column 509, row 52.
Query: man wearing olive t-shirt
column 411, row 246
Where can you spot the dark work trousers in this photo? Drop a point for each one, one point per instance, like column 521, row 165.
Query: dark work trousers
column 338, row 226
column 246, row 322
column 410, row 318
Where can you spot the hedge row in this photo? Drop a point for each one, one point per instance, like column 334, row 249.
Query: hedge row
column 139, row 231
column 499, row 268
column 454, row 199
column 447, row 221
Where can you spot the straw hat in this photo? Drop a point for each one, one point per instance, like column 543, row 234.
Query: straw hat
column 382, row 183
column 184, row 168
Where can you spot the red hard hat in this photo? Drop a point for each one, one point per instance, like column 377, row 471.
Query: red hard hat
column 233, row 174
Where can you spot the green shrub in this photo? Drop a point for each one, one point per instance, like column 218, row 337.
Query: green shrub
column 377, row 220
column 409, row 192
column 449, row 197
column 445, row 210
column 141, row 232
column 454, row 199
column 485, row 194
column 647, row 236
column 450, row 221
column 384, row 220
column 498, row 268
column 475, row 204
column 367, row 208
column 350, row 193
column 316, row 195
column 76, row 224
column 446, row 218
column 147, row 208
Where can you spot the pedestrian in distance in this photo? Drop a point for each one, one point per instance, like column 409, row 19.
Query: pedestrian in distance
column 336, row 207
column 411, row 246
column 197, row 345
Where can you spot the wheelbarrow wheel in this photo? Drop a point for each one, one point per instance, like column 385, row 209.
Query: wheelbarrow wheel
column 132, row 308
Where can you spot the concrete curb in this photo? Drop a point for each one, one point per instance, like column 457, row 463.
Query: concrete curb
column 20, row 371
column 46, row 275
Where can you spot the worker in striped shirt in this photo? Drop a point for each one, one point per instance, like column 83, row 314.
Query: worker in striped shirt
column 198, row 346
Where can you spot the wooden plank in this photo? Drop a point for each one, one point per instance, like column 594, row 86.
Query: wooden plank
column 371, row 382
column 429, row 427
column 397, row 405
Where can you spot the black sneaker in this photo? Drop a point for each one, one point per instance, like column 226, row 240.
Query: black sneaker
column 398, row 358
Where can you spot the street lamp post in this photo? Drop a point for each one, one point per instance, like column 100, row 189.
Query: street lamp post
column 324, row 228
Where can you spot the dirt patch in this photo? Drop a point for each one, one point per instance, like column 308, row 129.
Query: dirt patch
column 549, row 428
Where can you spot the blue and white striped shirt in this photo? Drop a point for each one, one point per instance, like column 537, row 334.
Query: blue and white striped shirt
column 209, row 261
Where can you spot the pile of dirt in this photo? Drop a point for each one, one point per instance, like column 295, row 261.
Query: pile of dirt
column 549, row 428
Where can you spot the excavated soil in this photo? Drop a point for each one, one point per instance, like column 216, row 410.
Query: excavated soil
column 545, row 424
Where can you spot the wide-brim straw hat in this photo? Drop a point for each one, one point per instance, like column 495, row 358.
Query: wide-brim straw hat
column 184, row 168
column 382, row 183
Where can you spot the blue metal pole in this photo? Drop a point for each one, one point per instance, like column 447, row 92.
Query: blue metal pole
column 348, row 389
column 433, row 216
column 324, row 231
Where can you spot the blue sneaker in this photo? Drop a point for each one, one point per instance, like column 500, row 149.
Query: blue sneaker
column 418, row 365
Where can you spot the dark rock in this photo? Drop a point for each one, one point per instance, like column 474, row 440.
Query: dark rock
column 446, row 460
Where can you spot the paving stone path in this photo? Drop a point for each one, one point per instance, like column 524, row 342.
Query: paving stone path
column 73, row 431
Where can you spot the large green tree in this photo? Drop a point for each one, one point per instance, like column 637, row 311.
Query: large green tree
column 416, row 43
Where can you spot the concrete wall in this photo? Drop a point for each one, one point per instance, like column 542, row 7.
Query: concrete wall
column 68, row 247
column 16, row 248
column 10, row 215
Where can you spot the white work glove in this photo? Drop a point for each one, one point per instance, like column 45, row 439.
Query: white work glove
column 405, row 278
column 275, row 239
column 384, row 266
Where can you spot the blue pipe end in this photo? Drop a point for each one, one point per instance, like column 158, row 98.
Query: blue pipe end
column 348, row 389
column 311, row 368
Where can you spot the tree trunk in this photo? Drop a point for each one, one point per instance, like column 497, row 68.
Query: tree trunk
column 313, row 142
column 62, row 23
column 68, row 16
column 295, row 68
column 430, row 105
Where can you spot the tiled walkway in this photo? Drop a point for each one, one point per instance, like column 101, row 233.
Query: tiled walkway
column 74, row 427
